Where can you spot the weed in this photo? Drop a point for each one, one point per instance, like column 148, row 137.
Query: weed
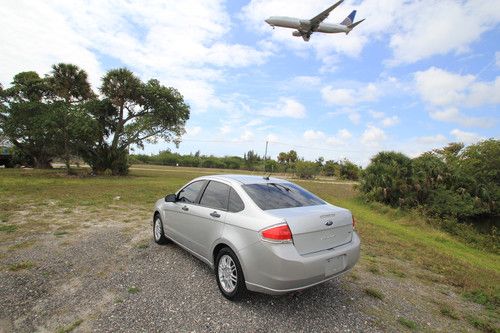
column 477, row 296
column 8, row 227
column 60, row 233
column 374, row 293
column 481, row 324
column 21, row 265
column 71, row 327
column 133, row 290
column 408, row 323
column 398, row 273
column 22, row 245
column 374, row 270
column 142, row 246
column 448, row 311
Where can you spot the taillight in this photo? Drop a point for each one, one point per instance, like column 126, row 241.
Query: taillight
column 353, row 223
column 280, row 233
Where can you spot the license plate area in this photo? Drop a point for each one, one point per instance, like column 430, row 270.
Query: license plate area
column 335, row 265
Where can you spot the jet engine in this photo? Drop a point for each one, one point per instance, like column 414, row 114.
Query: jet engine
column 297, row 33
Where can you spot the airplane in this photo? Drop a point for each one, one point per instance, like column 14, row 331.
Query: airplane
column 305, row 28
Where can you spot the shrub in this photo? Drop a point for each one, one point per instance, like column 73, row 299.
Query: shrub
column 306, row 170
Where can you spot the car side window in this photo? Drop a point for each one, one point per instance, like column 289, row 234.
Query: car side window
column 235, row 202
column 190, row 193
column 215, row 196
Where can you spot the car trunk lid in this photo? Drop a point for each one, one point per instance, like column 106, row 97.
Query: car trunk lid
column 317, row 228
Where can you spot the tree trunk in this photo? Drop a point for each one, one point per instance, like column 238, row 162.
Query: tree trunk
column 42, row 162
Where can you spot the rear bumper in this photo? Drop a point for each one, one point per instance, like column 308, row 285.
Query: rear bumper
column 278, row 268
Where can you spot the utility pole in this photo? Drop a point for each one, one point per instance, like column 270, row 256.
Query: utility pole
column 265, row 156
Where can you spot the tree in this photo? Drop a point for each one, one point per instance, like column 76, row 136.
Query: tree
column 131, row 113
column 388, row 178
column 292, row 156
column 330, row 168
column 482, row 162
column 69, row 88
column 349, row 170
column 27, row 120
column 251, row 158
column 306, row 169
column 287, row 160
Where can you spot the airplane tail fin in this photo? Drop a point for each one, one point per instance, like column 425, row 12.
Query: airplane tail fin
column 351, row 26
column 349, row 19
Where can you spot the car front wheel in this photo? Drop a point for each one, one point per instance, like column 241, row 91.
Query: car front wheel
column 229, row 275
column 158, row 234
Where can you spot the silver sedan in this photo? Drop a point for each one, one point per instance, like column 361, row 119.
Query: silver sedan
column 258, row 233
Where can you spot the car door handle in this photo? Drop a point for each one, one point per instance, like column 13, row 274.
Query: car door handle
column 185, row 208
column 215, row 214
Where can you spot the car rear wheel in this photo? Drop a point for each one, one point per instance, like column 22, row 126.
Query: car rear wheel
column 158, row 234
column 229, row 275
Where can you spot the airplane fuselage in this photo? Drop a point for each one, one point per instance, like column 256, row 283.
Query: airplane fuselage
column 299, row 24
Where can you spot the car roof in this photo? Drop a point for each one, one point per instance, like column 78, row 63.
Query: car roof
column 245, row 179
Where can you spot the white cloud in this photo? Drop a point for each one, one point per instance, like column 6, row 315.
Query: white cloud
column 376, row 114
column 338, row 96
column 445, row 92
column 313, row 135
column 320, row 137
column 193, row 131
column 466, row 137
column 354, row 117
column 453, row 115
column 306, row 81
column 334, row 141
column 417, row 30
column 440, row 87
column 373, row 136
column 247, row 135
column 285, row 107
column 344, row 134
column 427, row 28
column 225, row 129
column 254, row 122
column 257, row 11
column 35, row 36
column 431, row 139
column 346, row 96
column 482, row 93
column 272, row 137
column 183, row 44
column 390, row 121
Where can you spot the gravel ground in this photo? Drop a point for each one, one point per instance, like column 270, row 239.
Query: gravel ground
column 113, row 277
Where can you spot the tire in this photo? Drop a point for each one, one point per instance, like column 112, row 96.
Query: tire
column 228, row 269
column 158, row 234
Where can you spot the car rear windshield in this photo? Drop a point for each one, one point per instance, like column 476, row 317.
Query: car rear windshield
column 281, row 195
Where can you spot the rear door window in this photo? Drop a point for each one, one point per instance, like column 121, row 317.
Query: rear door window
column 280, row 195
column 235, row 202
column 216, row 195
column 190, row 193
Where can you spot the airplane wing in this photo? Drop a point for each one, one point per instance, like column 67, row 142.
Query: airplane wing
column 316, row 20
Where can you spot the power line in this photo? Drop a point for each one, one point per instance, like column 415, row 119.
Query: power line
column 279, row 143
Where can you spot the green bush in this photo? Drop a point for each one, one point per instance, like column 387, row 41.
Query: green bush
column 452, row 182
column 306, row 170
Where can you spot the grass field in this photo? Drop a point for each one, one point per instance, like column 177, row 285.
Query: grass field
column 418, row 278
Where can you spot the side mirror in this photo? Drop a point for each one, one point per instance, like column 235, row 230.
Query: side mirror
column 171, row 198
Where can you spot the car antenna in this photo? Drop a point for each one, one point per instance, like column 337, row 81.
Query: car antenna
column 267, row 177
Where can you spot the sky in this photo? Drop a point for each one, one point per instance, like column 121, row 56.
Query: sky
column 412, row 77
